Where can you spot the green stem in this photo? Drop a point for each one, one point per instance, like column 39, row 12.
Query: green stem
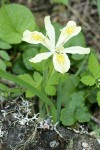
column 42, row 105
column 83, row 63
column 90, row 92
column 59, row 99
column 45, row 78
column 22, row 83
column 42, row 109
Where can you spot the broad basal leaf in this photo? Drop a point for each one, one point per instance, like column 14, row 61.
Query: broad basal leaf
column 4, row 45
column 14, row 20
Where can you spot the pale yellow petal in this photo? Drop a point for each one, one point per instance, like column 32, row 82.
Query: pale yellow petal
column 61, row 62
column 39, row 57
column 36, row 37
column 33, row 37
column 77, row 50
column 68, row 32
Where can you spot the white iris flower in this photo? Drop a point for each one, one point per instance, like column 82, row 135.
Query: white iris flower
column 60, row 59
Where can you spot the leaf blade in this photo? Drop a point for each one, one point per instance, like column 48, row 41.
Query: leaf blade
column 14, row 20
column 94, row 66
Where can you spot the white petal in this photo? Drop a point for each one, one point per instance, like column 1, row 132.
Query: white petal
column 50, row 31
column 33, row 37
column 36, row 38
column 67, row 32
column 40, row 57
column 61, row 62
column 77, row 50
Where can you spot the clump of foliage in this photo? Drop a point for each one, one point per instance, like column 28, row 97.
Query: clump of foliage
column 67, row 97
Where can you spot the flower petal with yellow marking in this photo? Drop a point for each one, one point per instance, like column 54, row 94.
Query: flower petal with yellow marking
column 33, row 37
column 36, row 37
column 61, row 62
column 67, row 32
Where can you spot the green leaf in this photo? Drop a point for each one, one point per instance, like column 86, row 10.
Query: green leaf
column 88, row 80
column 2, row 65
column 4, row 45
column 94, row 66
column 28, row 79
column 27, row 46
column 54, row 78
column 19, row 67
column 82, row 114
column 69, row 87
column 64, row 2
column 35, row 82
column 15, row 92
column 77, row 56
column 98, row 97
column 37, row 77
column 75, row 110
column 29, row 53
column 14, row 20
column 29, row 94
column 57, row 27
column 3, row 87
column 78, row 40
column 67, row 117
column 50, row 90
column 4, row 55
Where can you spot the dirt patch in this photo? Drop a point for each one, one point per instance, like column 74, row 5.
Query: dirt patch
column 20, row 130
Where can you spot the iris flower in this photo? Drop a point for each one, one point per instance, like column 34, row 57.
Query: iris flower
column 61, row 61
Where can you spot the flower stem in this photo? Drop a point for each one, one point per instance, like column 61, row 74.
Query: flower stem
column 90, row 92
column 59, row 99
column 83, row 63
column 43, row 108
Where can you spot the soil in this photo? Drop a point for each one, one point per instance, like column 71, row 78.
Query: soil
column 19, row 128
